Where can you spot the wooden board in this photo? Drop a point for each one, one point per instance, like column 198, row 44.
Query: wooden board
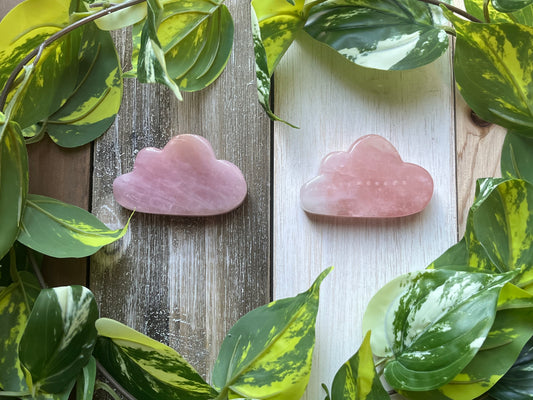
column 334, row 103
column 185, row 281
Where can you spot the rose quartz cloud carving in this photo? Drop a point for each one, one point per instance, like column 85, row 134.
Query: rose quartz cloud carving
column 184, row 178
column 370, row 181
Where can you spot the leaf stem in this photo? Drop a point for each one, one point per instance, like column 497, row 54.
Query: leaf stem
column 37, row 270
column 15, row 394
column 36, row 53
column 113, row 381
column 486, row 13
column 454, row 9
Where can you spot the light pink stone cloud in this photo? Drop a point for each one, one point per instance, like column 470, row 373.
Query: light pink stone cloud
column 185, row 178
column 370, row 180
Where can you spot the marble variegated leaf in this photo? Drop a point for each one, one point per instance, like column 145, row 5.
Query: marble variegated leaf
column 516, row 161
column 432, row 325
column 13, row 182
column 381, row 34
column 357, row 378
column 94, row 103
column 16, row 302
column 493, row 72
column 146, row 368
column 65, row 316
column 267, row 353
column 62, row 230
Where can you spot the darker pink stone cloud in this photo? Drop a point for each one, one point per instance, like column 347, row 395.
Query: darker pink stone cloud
column 370, row 180
column 185, row 178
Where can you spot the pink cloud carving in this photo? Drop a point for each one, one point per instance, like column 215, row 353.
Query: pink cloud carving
column 185, row 178
column 370, row 180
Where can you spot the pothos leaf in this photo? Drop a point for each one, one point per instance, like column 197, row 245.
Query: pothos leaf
column 145, row 367
column 13, row 182
column 381, row 34
column 86, row 381
column 510, row 5
column 517, row 384
column 123, row 18
column 94, row 103
column 62, row 230
column 267, row 353
column 493, row 72
column 434, row 325
column 65, row 316
column 16, row 302
column 516, row 161
column 357, row 378
column 523, row 16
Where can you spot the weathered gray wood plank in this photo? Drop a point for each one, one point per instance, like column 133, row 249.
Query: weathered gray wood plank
column 185, row 281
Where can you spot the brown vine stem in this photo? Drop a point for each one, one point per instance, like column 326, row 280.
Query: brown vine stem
column 454, row 9
column 35, row 54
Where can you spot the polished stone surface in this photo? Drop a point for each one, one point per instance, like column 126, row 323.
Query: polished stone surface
column 184, row 178
column 370, row 180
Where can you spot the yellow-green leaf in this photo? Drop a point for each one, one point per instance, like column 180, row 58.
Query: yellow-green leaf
column 357, row 378
column 267, row 353
column 123, row 18
column 62, row 230
column 146, row 368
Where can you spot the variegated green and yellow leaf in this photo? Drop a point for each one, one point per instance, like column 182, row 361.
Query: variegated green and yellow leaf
column 357, row 378
column 13, row 182
column 267, row 353
column 65, row 316
column 54, row 76
column 121, row 19
column 94, row 103
column 145, row 367
column 516, row 160
column 435, row 325
column 62, row 230
column 381, row 34
column 523, row 16
column 86, row 381
column 494, row 73
column 16, row 302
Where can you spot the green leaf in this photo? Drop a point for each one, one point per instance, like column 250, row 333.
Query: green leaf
column 456, row 258
column 267, row 353
column 146, row 368
column 86, row 381
column 123, row 18
column 59, row 338
column 95, row 101
column 21, row 31
column 357, row 378
column 13, row 182
column 434, row 325
column 493, row 71
column 517, row 384
column 151, row 64
column 516, row 160
column 510, row 5
column 523, row 16
column 16, row 302
column 381, row 34
column 62, row 230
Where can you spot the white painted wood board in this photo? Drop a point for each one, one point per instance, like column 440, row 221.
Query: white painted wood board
column 334, row 103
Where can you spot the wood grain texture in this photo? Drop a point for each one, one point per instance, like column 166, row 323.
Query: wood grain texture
column 63, row 174
column 334, row 103
column 185, row 281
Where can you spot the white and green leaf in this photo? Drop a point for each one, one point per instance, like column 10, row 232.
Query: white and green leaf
column 267, row 353
column 65, row 316
column 381, row 34
column 62, row 230
column 145, row 367
column 357, row 378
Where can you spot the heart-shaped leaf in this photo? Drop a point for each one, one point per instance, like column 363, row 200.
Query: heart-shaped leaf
column 382, row 34
column 145, row 367
column 434, row 325
column 62, row 230
column 357, row 378
column 516, row 161
column 267, row 353
column 16, row 302
column 493, row 70
column 65, row 316
column 92, row 106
